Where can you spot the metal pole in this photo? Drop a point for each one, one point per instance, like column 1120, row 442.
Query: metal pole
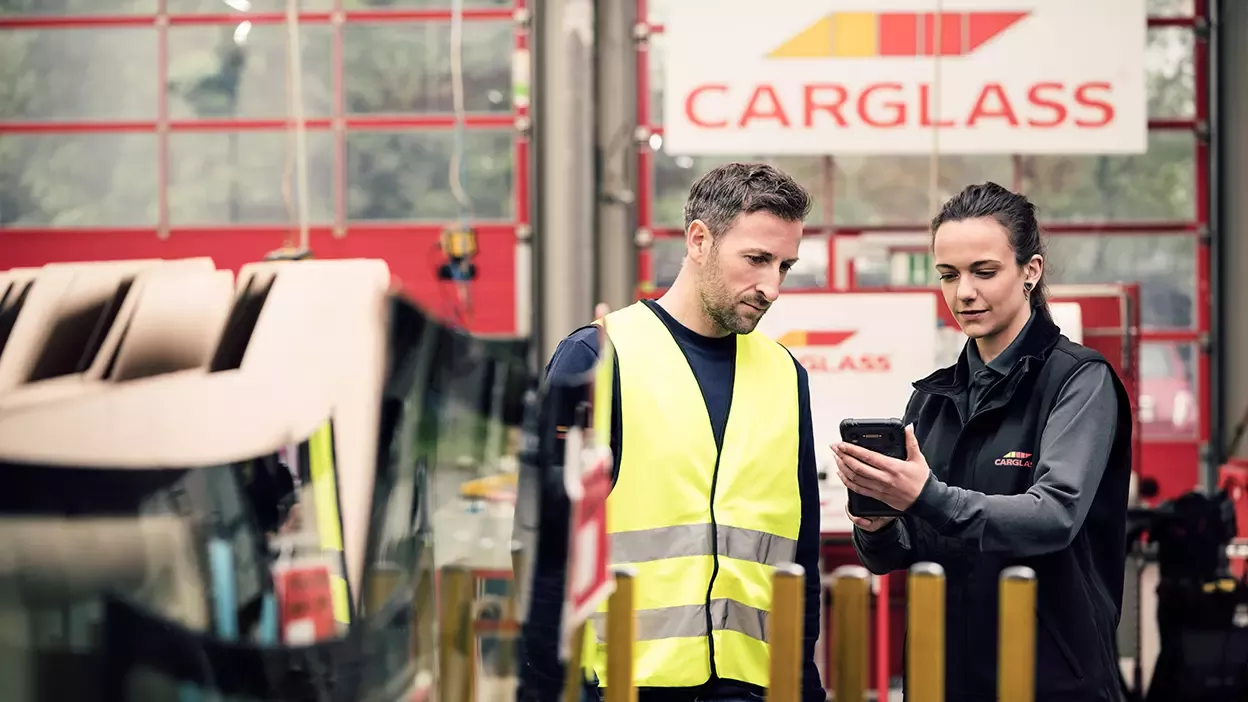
column 1016, row 638
column 851, row 590
column 1232, row 222
column 616, row 118
column 925, row 633
column 621, row 633
column 788, row 596
column 294, row 57
column 563, row 146
column 1217, row 84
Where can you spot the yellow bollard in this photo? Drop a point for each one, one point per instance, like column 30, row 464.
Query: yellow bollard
column 1016, row 638
column 424, row 613
column 509, row 627
column 458, row 637
column 621, row 633
column 788, row 595
column 851, row 591
column 573, row 677
column 925, row 633
column 382, row 580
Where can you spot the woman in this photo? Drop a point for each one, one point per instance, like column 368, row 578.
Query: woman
column 1019, row 454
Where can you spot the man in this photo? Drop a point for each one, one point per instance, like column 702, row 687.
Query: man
column 715, row 481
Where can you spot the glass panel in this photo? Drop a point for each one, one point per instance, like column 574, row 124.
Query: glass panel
column 1156, row 186
column 811, row 270
column 237, row 178
column 216, row 7
column 406, row 175
column 1168, row 60
column 1163, row 264
column 413, row 4
column 78, row 180
column 895, row 190
column 77, row 7
column 887, row 259
column 78, row 74
column 239, row 71
column 405, row 67
column 667, row 254
column 657, row 57
column 1169, row 402
column 674, row 175
column 1170, row 8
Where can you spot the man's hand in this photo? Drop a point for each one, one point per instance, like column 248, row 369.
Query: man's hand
column 871, row 524
column 894, row 482
column 601, row 310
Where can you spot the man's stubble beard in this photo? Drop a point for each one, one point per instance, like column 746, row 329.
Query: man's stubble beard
column 717, row 302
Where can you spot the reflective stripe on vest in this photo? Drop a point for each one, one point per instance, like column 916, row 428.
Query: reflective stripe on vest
column 703, row 529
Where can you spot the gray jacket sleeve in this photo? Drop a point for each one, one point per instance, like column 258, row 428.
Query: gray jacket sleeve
column 1074, row 450
column 905, row 541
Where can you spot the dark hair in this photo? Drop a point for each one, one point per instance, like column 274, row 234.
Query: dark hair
column 1014, row 212
column 725, row 192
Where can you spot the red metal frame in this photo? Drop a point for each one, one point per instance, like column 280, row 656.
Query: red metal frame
column 402, row 244
column 1180, row 456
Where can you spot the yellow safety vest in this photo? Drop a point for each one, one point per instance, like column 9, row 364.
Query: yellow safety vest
column 704, row 529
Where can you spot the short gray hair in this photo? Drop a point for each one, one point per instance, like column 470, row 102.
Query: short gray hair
column 733, row 189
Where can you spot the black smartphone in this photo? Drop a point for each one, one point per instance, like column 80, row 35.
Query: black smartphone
column 884, row 436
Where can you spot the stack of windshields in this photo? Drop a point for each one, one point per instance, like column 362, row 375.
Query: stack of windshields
column 569, row 414
column 445, row 496
column 228, row 490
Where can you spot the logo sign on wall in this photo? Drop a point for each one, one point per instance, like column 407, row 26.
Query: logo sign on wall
column 905, row 77
column 861, row 350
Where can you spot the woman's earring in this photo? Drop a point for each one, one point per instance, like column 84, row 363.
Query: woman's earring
column 1027, row 289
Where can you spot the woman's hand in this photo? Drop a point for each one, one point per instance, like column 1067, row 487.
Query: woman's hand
column 894, row 482
column 869, row 523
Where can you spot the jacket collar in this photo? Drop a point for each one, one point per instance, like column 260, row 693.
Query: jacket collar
column 1035, row 341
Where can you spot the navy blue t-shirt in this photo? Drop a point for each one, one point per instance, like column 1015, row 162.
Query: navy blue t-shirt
column 713, row 362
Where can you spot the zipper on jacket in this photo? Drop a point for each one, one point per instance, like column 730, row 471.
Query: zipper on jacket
column 973, row 414
column 710, row 618
column 719, row 449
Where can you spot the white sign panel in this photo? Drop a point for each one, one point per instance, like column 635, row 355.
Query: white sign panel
column 862, row 351
column 905, row 77
column 1068, row 316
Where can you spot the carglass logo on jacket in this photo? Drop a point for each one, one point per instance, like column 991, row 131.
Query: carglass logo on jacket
column 1015, row 458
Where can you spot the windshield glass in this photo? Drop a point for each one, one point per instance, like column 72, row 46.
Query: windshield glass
column 1157, row 362
column 228, row 582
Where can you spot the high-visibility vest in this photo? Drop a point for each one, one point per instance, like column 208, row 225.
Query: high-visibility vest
column 704, row 529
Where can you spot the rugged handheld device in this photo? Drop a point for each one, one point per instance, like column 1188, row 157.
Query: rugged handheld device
column 884, row 436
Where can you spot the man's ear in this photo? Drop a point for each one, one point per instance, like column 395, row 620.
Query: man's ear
column 697, row 241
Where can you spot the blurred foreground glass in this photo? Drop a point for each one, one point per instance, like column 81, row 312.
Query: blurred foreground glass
column 177, row 583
